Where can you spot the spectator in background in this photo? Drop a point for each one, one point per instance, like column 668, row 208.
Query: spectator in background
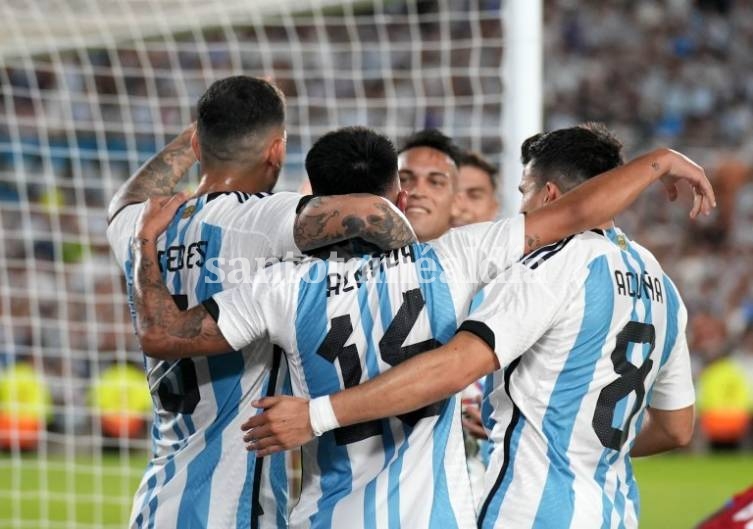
column 428, row 167
column 477, row 190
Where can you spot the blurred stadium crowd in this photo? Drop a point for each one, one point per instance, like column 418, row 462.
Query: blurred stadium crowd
column 65, row 309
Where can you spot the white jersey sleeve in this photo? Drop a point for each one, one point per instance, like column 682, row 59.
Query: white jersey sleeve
column 517, row 309
column 483, row 250
column 673, row 389
column 120, row 231
column 244, row 314
column 272, row 219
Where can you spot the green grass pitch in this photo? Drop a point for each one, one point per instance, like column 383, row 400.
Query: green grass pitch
column 677, row 491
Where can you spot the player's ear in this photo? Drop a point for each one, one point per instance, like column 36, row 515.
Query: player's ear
column 276, row 152
column 402, row 200
column 195, row 145
column 552, row 193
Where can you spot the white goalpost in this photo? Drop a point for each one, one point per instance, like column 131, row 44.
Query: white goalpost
column 89, row 89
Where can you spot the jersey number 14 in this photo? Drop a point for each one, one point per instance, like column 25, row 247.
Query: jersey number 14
column 392, row 351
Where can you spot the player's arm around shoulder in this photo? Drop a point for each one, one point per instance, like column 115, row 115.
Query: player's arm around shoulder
column 166, row 332
column 326, row 220
column 601, row 198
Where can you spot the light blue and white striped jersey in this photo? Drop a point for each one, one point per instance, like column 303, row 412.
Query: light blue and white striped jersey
column 200, row 475
column 588, row 333
column 342, row 323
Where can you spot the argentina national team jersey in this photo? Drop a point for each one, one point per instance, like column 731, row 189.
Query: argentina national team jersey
column 341, row 323
column 588, row 333
column 200, row 475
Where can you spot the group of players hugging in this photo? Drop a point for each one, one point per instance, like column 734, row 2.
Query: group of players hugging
column 349, row 322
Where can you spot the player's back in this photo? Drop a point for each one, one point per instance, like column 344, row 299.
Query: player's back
column 200, row 474
column 364, row 317
column 567, row 411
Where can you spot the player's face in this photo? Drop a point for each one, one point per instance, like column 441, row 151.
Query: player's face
column 429, row 177
column 533, row 197
column 476, row 200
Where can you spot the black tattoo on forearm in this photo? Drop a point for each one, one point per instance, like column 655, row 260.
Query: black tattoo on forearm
column 655, row 165
column 385, row 228
column 155, row 308
column 310, row 230
column 158, row 176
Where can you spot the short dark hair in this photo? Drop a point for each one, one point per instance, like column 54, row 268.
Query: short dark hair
column 433, row 139
column 352, row 160
column 234, row 109
column 569, row 157
column 476, row 159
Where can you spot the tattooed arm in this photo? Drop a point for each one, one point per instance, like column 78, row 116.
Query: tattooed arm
column 158, row 176
column 329, row 219
column 166, row 332
column 600, row 198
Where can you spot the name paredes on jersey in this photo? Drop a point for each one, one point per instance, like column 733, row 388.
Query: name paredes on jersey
column 179, row 256
column 638, row 286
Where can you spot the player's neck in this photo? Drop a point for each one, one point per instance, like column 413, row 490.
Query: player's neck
column 247, row 181
column 607, row 225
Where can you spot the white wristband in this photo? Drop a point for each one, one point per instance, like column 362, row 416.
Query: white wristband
column 322, row 415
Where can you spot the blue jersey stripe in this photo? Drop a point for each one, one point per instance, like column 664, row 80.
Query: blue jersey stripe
column 487, row 445
column 619, row 504
column 388, row 440
column 151, row 484
column 441, row 312
column 632, row 484
column 278, row 478
column 225, row 372
column 278, row 474
column 154, row 499
column 569, row 390
column 244, row 513
column 321, row 376
column 396, row 467
column 673, row 316
column 477, row 300
column 385, row 308
column 369, row 505
column 199, row 205
column 171, row 236
column 439, row 304
column 442, row 515
column 367, row 325
column 208, row 284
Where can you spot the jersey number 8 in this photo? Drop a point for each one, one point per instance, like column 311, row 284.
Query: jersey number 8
column 631, row 379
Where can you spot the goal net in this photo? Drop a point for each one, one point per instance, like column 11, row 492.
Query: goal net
column 89, row 89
